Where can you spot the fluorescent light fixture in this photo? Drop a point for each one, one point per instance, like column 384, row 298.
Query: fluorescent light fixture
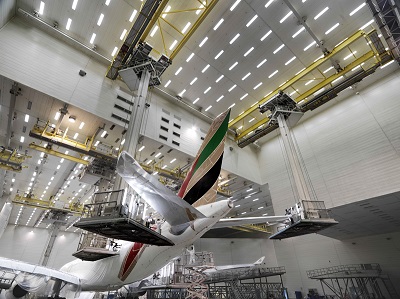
column 268, row 3
column 246, row 76
column 196, row 100
column 103, row 134
column 41, row 7
column 286, row 16
column 292, row 93
column 243, row 96
column 57, row 116
column 96, row 143
column 266, row 35
column 234, row 38
column 165, row 166
column 69, row 21
column 74, row 4
column 123, row 34
column 355, row 68
column 386, row 64
column 218, row 24
column 173, row 44
column 114, row 51
column 172, row 161
column 41, row 154
column 300, row 71
column 157, row 155
column 207, row 90
column 205, row 68
column 186, row 27
column 321, row 13
column 76, row 135
column 141, row 148
column 178, row 71
column 190, row 57
column 273, row 74
column 328, row 69
column 234, row 5
column 220, row 98
column 81, row 125
column 231, row 106
column 203, row 41
column 309, row 82
column 367, row 24
column 208, row 108
column 168, row 83
column 255, row 199
column 182, row 93
column 248, row 51
column 108, row 2
column 233, row 65
column 251, row 20
column 133, row 15
column 357, row 9
column 298, row 32
column 219, row 78
column 201, row 7
column 338, row 79
column 232, row 88
column 310, row 45
column 92, row 38
column 331, row 29
column 22, row 139
column 290, row 60
column 154, row 31
column 148, row 162
column 350, row 55
column 100, row 20
column 166, row 10
column 261, row 63
column 278, row 49
column 194, row 80
column 26, row 118
column 257, row 86
column 243, row 213
column 219, row 54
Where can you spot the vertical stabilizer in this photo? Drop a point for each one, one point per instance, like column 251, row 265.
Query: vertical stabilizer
column 200, row 185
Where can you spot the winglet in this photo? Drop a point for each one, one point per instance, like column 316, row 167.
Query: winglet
column 259, row 261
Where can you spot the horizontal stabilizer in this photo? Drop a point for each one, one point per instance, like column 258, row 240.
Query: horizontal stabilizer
column 229, row 222
column 175, row 210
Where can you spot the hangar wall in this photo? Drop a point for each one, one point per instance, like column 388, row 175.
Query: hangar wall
column 28, row 244
column 352, row 152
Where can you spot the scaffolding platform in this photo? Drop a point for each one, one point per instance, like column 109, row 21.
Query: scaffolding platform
column 123, row 228
column 304, row 227
column 93, row 254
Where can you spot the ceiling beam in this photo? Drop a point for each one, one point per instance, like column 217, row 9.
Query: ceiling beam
column 351, row 39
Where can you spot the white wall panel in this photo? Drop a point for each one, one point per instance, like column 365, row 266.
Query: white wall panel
column 314, row 252
column 34, row 58
column 7, row 11
column 28, row 244
column 351, row 150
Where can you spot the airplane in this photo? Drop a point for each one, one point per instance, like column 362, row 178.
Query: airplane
column 188, row 216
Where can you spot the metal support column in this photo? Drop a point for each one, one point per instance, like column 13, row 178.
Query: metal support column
column 50, row 244
column 291, row 153
column 135, row 123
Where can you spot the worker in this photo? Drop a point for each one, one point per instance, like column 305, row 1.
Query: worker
column 192, row 255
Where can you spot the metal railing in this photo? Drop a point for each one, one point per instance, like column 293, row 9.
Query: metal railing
column 346, row 269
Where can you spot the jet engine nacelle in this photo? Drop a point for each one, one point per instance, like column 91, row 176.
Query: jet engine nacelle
column 14, row 292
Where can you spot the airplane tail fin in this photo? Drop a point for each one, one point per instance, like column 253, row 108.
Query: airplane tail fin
column 259, row 261
column 200, row 186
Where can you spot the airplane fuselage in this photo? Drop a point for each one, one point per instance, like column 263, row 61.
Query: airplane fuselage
column 137, row 261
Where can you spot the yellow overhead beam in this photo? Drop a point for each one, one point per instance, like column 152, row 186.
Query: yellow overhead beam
column 153, row 20
column 207, row 8
column 311, row 91
column 45, row 205
column 296, row 78
column 57, row 154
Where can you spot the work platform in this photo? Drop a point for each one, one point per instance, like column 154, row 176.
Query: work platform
column 303, row 227
column 93, row 254
column 123, row 228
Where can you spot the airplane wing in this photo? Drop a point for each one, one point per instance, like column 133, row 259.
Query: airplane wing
column 175, row 210
column 30, row 278
column 228, row 222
